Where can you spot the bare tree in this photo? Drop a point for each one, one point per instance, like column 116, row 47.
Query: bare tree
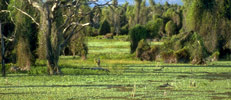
column 56, row 35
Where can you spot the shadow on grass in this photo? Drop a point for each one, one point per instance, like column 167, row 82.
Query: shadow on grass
column 214, row 76
column 22, row 93
column 61, row 86
column 183, row 65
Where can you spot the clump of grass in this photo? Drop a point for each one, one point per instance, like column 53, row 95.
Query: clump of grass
column 39, row 70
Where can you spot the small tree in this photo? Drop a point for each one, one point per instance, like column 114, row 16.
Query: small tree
column 170, row 28
column 136, row 34
column 78, row 45
column 104, row 28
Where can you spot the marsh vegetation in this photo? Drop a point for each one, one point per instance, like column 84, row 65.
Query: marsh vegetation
column 84, row 49
column 128, row 77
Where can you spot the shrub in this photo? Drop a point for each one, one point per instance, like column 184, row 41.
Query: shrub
column 184, row 47
column 124, row 30
column 174, row 16
column 104, row 28
column 79, row 47
column 183, row 55
column 145, row 52
column 170, row 28
column 136, row 34
column 187, row 46
column 41, row 70
column 109, row 36
column 142, row 47
column 152, row 54
column 214, row 56
column 91, row 31
column 155, row 27
column 169, row 56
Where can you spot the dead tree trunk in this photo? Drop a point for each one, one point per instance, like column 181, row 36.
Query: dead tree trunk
column 3, row 52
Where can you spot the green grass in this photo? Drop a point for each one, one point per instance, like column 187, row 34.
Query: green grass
column 128, row 79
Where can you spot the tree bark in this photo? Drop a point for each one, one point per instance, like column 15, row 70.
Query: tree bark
column 52, row 54
column 3, row 52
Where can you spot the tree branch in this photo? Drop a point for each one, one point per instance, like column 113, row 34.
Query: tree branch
column 74, row 23
column 70, row 35
column 56, row 4
column 23, row 12
column 4, row 11
column 37, row 5
column 11, row 39
column 94, row 2
column 67, row 20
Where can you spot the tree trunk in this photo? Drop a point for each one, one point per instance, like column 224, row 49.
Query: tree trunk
column 52, row 54
column 3, row 52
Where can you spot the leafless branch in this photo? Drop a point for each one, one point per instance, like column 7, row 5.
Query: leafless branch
column 85, row 24
column 70, row 35
column 74, row 23
column 11, row 39
column 37, row 5
column 97, row 4
column 4, row 11
column 56, row 4
column 23, row 12
column 67, row 20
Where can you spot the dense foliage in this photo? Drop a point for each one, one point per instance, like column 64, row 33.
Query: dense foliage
column 210, row 19
column 104, row 28
column 196, row 32
column 136, row 34
column 26, row 34
column 155, row 28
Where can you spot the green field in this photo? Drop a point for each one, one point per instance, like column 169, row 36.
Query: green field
column 128, row 79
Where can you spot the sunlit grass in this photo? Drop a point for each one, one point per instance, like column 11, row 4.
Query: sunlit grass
column 128, row 79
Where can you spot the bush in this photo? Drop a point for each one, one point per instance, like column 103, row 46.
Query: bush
column 188, row 46
column 214, row 56
column 104, row 28
column 152, row 54
column 183, row 55
column 40, row 70
column 145, row 52
column 109, row 36
column 91, row 31
column 136, row 34
column 184, row 47
column 169, row 56
column 170, row 28
column 142, row 47
column 174, row 16
column 79, row 47
column 124, row 30
column 155, row 27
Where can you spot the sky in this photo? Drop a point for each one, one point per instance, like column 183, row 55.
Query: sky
column 157, row 1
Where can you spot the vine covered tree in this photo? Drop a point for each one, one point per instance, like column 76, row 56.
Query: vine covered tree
column 25, row 32
column 211, row 19
column 57, row 28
